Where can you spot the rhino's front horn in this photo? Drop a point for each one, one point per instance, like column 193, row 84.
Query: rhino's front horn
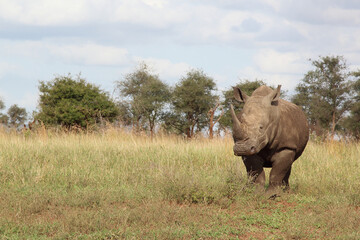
column 238, row 131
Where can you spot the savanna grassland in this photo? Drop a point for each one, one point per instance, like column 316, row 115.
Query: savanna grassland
column 114, row 185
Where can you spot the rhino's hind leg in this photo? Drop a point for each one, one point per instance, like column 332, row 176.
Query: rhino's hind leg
column 281, row 169
column 254, row 167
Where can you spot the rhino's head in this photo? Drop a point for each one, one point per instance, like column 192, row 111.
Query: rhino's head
column 257, row 121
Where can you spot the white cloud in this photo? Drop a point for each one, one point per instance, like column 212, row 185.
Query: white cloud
column 152, row 14
column 284, row 68
column 271, row 61
column 165, row 68
column 90, row 54
column 288, row 81
column 323, row 12
column 5, row 67
column 341, row 16
column 155, row 3
column 185, row 20
column 44, row 12
column 79, row 53
column 29, row 100
column 197, row 22
column 275, row 4
column 157, row 13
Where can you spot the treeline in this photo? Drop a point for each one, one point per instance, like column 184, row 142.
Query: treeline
column 329, row 94
column 14, row 117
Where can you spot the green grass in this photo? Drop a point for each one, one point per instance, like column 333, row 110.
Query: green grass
column 117, row 185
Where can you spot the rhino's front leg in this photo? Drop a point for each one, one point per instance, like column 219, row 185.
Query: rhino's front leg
column 254, row 167
column 281, row 169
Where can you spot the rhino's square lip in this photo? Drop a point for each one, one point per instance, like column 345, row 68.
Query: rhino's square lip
column 245, row 153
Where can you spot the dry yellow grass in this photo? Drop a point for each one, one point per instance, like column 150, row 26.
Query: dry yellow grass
column 113, row 184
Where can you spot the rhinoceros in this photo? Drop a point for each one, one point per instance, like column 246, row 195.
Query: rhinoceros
column 269, row 132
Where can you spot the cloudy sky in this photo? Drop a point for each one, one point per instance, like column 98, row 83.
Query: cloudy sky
column 271, row 40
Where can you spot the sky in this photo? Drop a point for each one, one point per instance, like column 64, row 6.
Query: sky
column 230, row 40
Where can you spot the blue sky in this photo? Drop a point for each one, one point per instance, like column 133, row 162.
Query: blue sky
column 271, row 40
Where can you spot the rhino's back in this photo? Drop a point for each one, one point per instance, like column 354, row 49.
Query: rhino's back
column 293, row 127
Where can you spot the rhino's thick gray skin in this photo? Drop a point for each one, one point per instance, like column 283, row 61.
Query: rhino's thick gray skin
column 269, row 132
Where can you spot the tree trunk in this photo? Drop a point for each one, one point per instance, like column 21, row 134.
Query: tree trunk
column 151, row 130
column 137, row 129
column 190, row 128
column 151, row 126
column 188, row 132
column 333, row 127
column 211, row 132
column 211, row 124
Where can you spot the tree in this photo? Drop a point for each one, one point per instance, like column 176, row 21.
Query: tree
column 192, row 98
column 70, row 101
column 143, row 97
column 4, row 119
column 2, row 104
column 352, row 122
column 17, row 115
column 125, row 115
column 325, row 93
column 213, row 119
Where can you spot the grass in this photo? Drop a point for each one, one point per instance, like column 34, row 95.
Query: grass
column 114, row 185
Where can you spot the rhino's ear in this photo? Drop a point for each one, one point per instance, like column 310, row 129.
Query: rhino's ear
column 275, row 95
column 239, row 95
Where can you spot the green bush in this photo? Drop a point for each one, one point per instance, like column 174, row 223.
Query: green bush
column 71, row 102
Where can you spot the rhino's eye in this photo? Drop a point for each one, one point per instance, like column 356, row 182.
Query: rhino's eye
column 261, row 127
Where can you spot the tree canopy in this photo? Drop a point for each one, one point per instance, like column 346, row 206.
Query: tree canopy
column 192, row 98
column 70, row 101
column 351, row 123
column 2, row 104
column 3, row 117
column 17, row 115
column 325, row 93
column 143, row 96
